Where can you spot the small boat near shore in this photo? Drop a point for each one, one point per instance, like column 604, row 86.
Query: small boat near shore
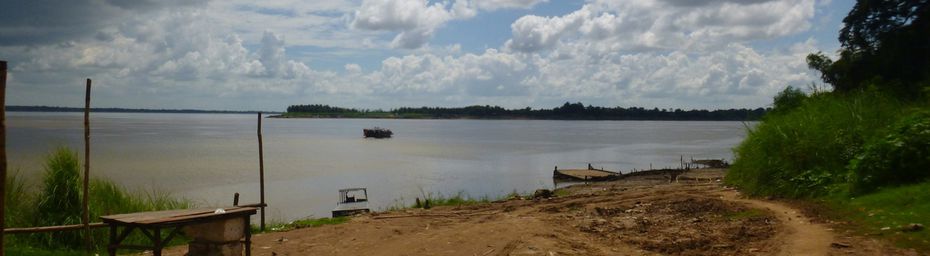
column 351, row 201
column 377, row 132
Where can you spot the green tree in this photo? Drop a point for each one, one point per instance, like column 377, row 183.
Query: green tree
column 886, row 41
column 788, row 99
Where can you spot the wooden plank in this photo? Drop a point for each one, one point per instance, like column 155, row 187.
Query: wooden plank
column 52, row 228
column 253, row 205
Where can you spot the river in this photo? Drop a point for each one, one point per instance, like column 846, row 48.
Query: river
column 209, row 157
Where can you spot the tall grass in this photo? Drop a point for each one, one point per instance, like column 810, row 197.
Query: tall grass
column 58, row 202
column 804, row 152
column 19, row 207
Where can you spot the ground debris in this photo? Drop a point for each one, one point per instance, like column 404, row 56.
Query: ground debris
column 913, row 227
column 840, row 245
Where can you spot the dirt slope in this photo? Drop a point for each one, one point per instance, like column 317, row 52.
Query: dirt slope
column 642, row 216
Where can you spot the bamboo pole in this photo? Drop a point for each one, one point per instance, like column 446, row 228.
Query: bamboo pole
column 53, row 228
column 2, row 151
column 86, row 217
column 261, row 171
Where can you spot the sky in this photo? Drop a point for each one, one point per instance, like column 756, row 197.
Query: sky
column 382, row 54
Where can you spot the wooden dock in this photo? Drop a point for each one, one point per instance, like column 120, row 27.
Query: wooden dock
column 589, row 174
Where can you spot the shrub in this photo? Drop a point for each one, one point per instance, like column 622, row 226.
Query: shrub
column 805, row 152
column 788, row 99
column 60, row 200
column 901, row 157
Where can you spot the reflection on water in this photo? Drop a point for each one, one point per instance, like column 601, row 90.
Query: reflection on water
column 209, row 157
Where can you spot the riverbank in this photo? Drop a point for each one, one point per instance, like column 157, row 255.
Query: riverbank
column 643, row 215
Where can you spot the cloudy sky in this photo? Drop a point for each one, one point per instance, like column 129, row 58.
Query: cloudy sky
column 266, row 55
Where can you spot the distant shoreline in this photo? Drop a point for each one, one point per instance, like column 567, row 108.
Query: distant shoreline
column 568, row 111
column 129, row 110
column 423, row 117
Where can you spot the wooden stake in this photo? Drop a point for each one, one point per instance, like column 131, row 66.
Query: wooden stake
column 261, row 171
column 2, row 151
column 86, row 217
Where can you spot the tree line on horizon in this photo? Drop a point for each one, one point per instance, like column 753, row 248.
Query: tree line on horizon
column 568, row 111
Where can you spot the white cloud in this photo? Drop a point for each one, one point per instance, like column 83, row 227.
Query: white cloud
column 663, row 25
column 417, row 20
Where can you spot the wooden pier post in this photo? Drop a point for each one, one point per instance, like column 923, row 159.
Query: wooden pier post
column 2, row 151
column 85, row 218
column 261, row 172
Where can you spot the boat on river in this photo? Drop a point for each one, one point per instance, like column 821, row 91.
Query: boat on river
column 377, row 132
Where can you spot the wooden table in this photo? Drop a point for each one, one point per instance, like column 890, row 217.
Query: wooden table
column 151, row 224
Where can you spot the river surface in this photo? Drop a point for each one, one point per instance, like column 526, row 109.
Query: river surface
column 209, row 157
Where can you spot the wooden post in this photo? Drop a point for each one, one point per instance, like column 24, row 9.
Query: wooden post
column 2, row 151
column 86, row 217
column 261, row 171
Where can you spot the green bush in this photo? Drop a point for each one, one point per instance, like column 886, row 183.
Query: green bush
column 901, row 157
column 805, row 152
column 60, row 200
column 788, row 99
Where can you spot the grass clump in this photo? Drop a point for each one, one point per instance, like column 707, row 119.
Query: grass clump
column 302, row 223
column 59, row 203
column 457, row 199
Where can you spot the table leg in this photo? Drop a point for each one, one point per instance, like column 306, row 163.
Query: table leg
column 111, row 248
column 248, row 236
column 157, row 241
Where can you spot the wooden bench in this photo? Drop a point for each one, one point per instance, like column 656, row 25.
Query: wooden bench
column 151, row 224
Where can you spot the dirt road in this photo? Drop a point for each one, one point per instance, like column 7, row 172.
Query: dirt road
column 642, row 216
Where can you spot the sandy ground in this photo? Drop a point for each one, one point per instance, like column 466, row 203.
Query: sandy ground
column 639, row 216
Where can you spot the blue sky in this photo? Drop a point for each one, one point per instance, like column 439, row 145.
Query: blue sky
column 389, row 53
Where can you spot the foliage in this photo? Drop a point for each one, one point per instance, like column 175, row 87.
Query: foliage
column 568, row 111
column 457, row 199
column 884, row 42
column 61, row 187
column 19, row 203
column 901, row 157
column 804, row 152
column 60, row 200
column 788, row 99
column 20, row 206
column 871, row 21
